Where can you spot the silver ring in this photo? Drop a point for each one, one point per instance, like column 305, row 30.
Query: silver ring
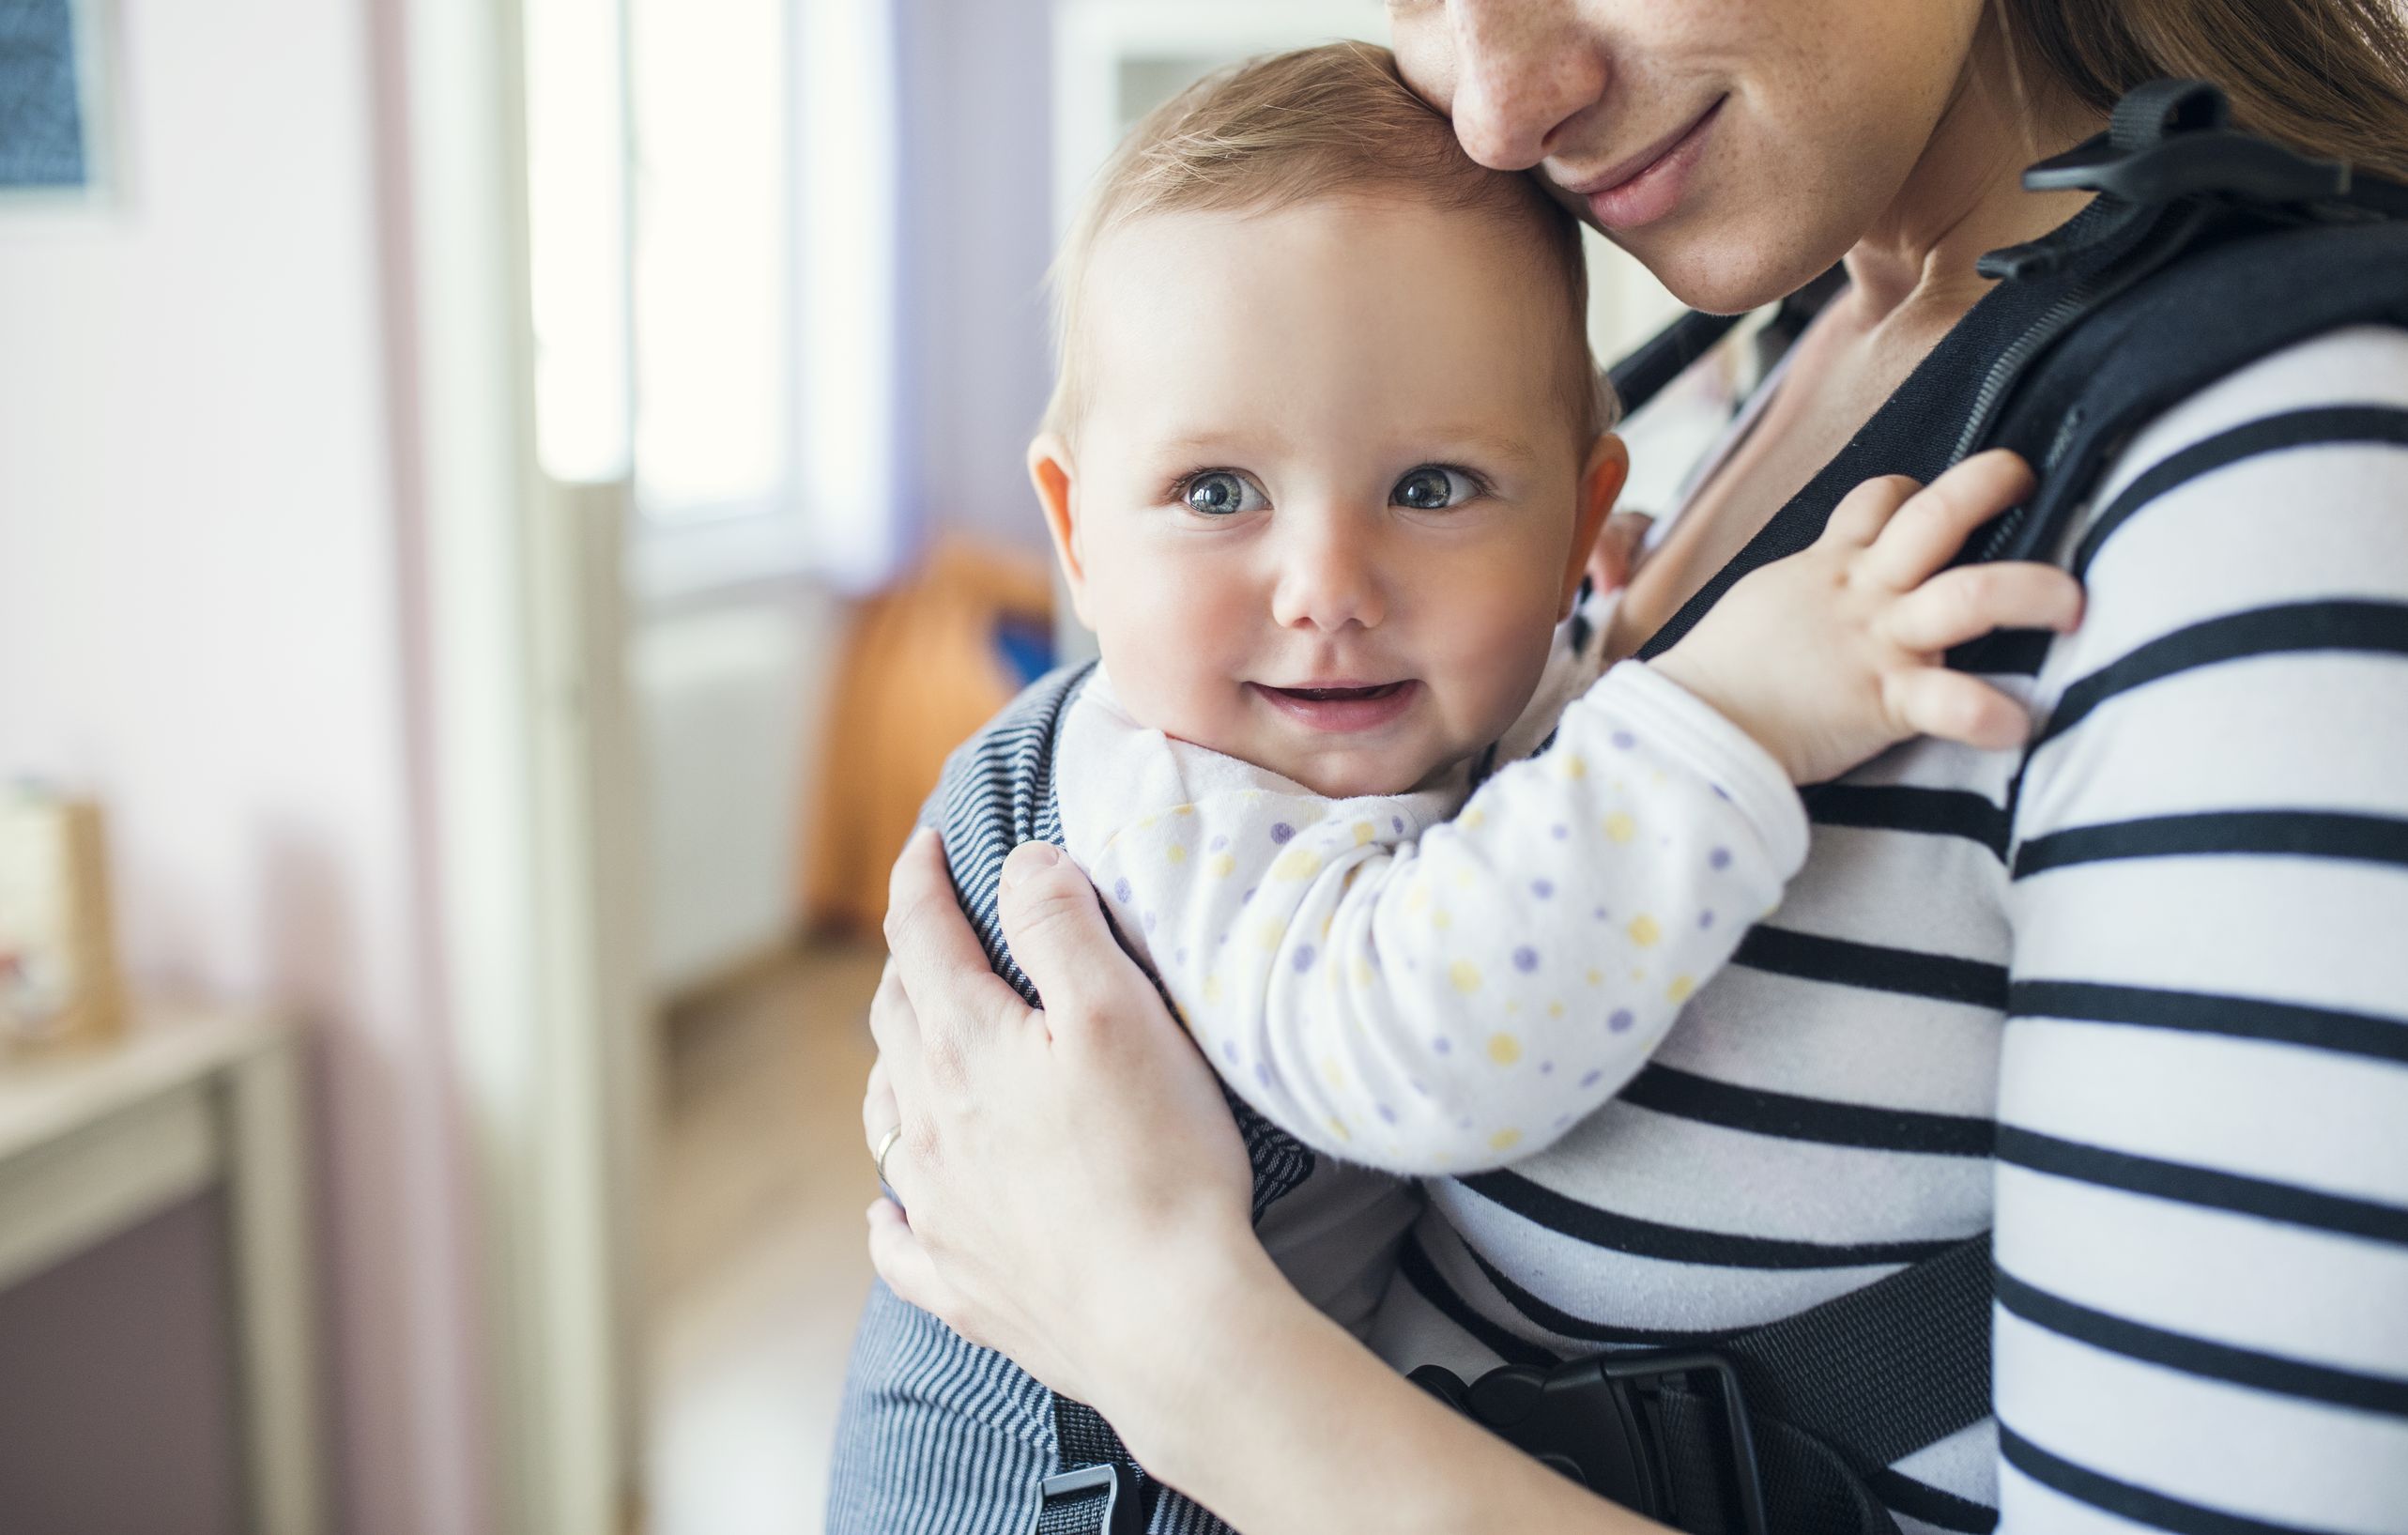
column 885, row 1144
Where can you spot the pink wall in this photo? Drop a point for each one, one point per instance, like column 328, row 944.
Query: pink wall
column 200, row 617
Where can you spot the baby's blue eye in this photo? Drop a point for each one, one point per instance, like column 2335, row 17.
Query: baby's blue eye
column 1221, row 492
column 1434, row 487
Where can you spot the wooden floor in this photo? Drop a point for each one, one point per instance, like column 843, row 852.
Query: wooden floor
column 761, row 1182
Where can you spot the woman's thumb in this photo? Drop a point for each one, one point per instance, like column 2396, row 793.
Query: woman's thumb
column 1054, row 927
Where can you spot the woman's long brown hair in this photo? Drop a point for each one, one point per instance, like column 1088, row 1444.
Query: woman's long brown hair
column 2328, row 77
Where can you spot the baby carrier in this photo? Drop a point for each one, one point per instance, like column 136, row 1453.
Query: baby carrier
column 2204, row 250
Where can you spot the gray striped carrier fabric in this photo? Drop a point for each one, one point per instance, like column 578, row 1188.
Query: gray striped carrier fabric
column 938, row 1435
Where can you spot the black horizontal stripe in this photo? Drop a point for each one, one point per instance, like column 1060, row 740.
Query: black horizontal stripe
column 2200, row 1012
column 1418, row 1271
column 2124, row 1500
column 1565, row 1324
column 1790, row 1117
column 2211, row 834
column 2327, row 425
column 2202, row 1357
column 2003, row 653
column 1903, row 807
column 2204, row 1186
column 1872, row 967
column 1618, row 1232
column 1924, row 1501
column 2293, row 628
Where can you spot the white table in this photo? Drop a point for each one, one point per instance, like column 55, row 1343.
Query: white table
column 94, row 1143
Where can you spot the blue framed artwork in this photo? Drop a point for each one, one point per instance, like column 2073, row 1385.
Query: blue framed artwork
column 51, row 121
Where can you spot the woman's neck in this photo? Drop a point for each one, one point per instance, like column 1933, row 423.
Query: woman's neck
column 1965, row 196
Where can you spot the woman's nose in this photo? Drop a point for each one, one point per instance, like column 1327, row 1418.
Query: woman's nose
column 1326, row 580
column 1523, row 69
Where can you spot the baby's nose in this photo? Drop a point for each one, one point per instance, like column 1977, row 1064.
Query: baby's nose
column 1328, row 581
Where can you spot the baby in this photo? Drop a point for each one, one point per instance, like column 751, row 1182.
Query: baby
column 1425, row 878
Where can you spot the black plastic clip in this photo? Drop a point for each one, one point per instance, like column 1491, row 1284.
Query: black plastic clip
column 1597, row 1421
column 1120, row 1514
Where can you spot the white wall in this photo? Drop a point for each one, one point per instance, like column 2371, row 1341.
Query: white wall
column 202, row 573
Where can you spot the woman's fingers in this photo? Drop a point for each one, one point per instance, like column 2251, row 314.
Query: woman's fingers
column 880, row 1111
column 1058, row 934
column 1616, row 554
column 896, row 1253
column 954, row 997
column 1923, row 534
column 1967, row 602
column 1934, row 702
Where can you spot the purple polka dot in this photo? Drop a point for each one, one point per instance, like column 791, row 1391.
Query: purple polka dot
column 1602, row 915
column 1705, row 919
column 1720, row 792
column 1249, row 896
column 1229, row 1051
column 1385, row 1112
column 1183, row 956
column 1122, row 893
column 1263, row 1073
column 1304, row 957
column 1396, row 823
column 1546, row 1068
column 1561, row 1120
column 1592, row 1080
column 1525, row 958
column 1559, row 831
column 1621, row 1020
column 1419, row 1091
column 1149, row 922
column 1543, row 889
column 1625, row 740
column 1719, row 858
column 1281, row 831
column 1442, row 1045
column 1217, row 843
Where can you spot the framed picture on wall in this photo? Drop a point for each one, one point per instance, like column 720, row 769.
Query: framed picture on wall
column 53, row 112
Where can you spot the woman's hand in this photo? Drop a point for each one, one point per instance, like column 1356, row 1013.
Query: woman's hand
column 1075, row 1181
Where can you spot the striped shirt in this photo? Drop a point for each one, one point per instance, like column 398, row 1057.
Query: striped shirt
column 2137, row 996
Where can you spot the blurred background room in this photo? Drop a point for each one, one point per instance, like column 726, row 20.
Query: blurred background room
column 504, row 506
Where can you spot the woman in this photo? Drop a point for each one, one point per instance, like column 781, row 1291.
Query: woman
column 2196, row 880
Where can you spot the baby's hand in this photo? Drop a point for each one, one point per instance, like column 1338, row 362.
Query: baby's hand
column 1834, row 653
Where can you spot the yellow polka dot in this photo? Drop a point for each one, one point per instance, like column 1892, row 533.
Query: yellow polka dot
column 1271, row 934
column 1596, row 978
column 1441, row 919
column 1466, row 879
column 1331, row 1072
column 1621, row 828
column 1680, row 988
column 1644, row 931
column 1513, row 1009
column 1146, row 823
column 1176, row 853
column 1297, row 864
column 1185, row 810
column 1222, row 866
column 1638, row 974
column 1475, row 819
column 1504, row 1139
column 1503, row 1049
column 1416, row 899
column 1575, row 766
column 1338, row 1127
column 1363, row 832
column 1554, row 1009
column 1466, row 976
column 1212, row 990
column 1361, row 974
column 1348, row 883
column 1251, row 796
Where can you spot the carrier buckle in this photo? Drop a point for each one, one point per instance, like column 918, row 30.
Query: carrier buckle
column 1600, row 1422
column 1117, row 1485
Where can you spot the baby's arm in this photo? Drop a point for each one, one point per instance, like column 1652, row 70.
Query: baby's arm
column 1457, row 1004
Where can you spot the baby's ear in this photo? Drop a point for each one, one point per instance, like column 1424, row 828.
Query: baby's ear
column 1050, row 472
column 1601, row 476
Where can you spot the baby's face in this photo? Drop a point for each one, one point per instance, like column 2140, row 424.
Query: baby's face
column 1326, row 504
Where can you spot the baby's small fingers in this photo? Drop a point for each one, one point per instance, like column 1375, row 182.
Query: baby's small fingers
column 1951, row 706
column 1930, row 528
column 1863, row 513
column 1967, row 602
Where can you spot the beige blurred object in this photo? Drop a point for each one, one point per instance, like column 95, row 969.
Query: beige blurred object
column 59, row 984
column 922, row 670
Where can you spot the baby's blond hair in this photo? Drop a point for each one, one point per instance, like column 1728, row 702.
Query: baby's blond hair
column 1336, row 120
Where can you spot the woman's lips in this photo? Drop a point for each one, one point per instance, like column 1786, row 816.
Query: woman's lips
column 1342, row 708
column 1631, row 195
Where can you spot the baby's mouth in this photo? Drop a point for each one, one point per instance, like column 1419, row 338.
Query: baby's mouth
column 1354, row 708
